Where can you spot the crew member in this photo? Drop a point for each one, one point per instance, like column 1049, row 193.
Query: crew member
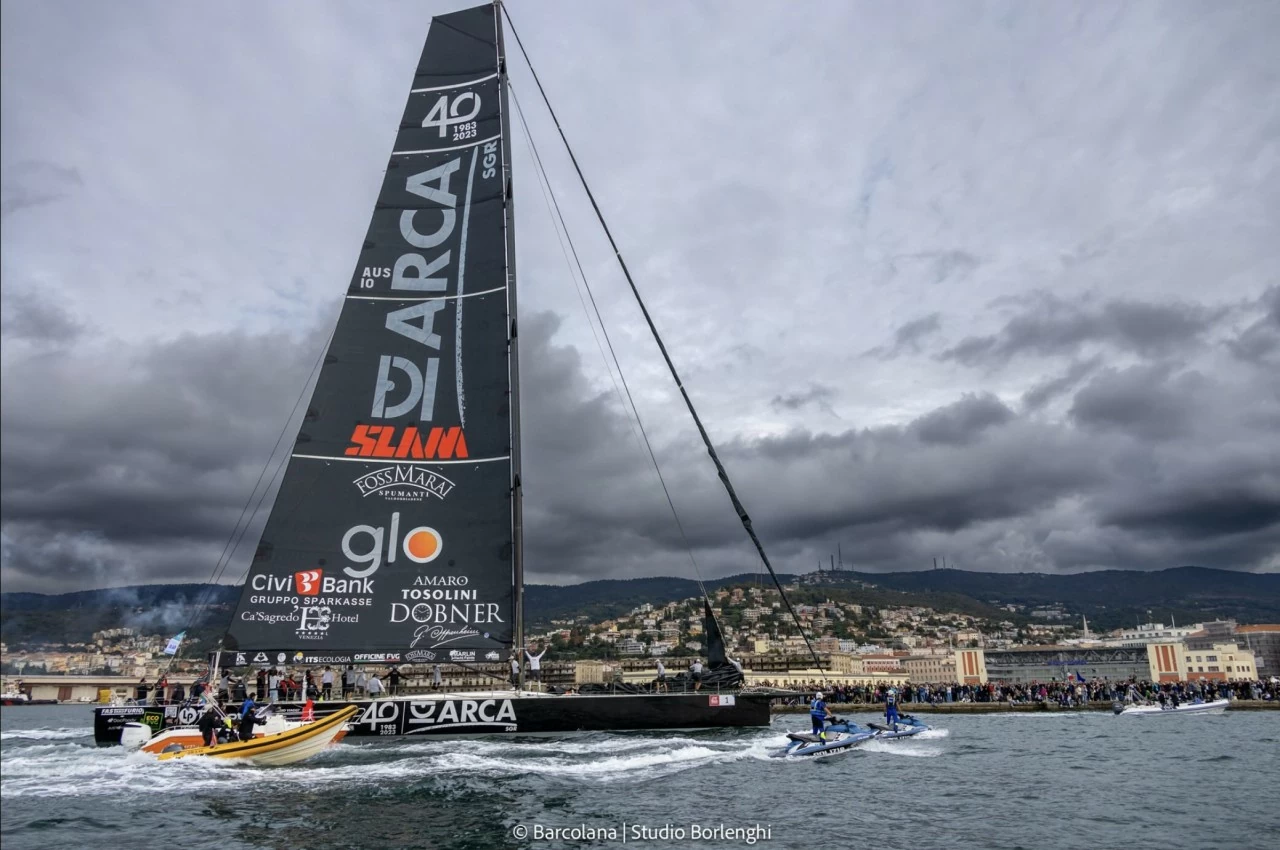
column 515, row 671
column 695, row 673
column 248, row 718
column 208, row 726
column 326, row 683
column 662, row 676
column 891, row 708
column 818, row 713
column 535, row 665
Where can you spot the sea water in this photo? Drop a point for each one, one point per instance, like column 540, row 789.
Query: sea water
column 1060, row 780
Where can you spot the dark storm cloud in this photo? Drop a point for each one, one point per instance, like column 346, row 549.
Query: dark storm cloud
column 817, row 395
column 1051, row 388
column 1046, row 325
column 134, row 462
column 33, row 184
column 1260, row 341
column 1148, row 401
column 786, row 194
column 908, row 338
column 961, row 423
column 26, row 316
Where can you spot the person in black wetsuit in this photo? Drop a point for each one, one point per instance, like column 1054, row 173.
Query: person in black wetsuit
column 208, row 724
column 248, row 719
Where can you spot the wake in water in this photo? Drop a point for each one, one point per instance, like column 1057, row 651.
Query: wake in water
column 63, row 734
column 52, row 768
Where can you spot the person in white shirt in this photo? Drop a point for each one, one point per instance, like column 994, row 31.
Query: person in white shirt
column 535, row 665
column 374, row 685
column 362, row 682
column 515, row 671
column 695, row 673
column 435, row 677
column 662, row 676
column 326, row 683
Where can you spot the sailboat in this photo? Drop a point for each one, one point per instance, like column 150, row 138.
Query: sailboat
column 397, row 533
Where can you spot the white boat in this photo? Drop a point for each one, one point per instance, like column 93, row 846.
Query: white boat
column 1217, row 706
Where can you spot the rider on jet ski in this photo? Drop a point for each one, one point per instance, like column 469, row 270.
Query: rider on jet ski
column 891, row 708
column 818, row 713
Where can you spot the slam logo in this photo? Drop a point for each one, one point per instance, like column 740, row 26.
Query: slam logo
column 407, row 443
column 308, row 582
column 406, row 482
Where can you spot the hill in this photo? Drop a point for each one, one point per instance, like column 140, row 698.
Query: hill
column 1110, row 599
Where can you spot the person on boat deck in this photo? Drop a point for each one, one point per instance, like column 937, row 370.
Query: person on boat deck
column 362, row 682
column 208, row 726
column 435, row 677
column 819, row 714
column 515, row 671
column 535, row 665
column 695, row 673
column 891, row 708
column 273, row 685
column 326, row 683
column 248, row 718
column 143, row 689
column 179, row 693
column 348, row 682
column 393, row 679
column 662, row 676
column 240, row 692
column 224, row 687
column 374, row 686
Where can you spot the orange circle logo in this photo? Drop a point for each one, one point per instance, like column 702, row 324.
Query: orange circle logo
column 423, row 544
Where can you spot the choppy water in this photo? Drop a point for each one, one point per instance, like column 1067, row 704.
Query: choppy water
column 1007, row 781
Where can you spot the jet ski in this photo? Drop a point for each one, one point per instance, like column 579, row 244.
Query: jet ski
column 904, row 728
column 839, row 740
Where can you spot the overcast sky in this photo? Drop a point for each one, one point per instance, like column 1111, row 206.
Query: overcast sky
column 994, row 282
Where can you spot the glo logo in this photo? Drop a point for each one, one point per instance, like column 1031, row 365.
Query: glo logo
column 307, row 582
column 448, row 111
column 366, row 545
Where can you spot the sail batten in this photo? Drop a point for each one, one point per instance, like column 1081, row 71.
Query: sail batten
column 403, row 551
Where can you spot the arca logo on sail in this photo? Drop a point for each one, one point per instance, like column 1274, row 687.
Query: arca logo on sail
column 366, row 544
column 407, row 442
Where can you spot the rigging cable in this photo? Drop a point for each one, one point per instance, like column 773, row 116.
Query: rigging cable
column 706, row 439
column 549, row 195
column 635, row 411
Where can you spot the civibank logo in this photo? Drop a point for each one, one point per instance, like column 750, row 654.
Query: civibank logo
column 366, row 545
column 307, row 582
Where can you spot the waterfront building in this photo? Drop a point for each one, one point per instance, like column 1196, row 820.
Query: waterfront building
column 1264, row 642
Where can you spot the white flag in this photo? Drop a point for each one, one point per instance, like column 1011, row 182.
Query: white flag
column 174, row 642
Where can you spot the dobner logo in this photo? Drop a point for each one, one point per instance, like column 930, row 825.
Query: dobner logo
column 366, row 544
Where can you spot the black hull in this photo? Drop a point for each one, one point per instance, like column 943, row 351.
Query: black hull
column 493, row 714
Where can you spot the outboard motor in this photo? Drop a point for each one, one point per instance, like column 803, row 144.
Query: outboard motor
column 134, row 735
column 1117, row 707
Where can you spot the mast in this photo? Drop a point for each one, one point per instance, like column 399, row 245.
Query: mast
column 509, row 227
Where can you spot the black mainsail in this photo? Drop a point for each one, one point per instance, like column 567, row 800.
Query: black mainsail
column 393, row 535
